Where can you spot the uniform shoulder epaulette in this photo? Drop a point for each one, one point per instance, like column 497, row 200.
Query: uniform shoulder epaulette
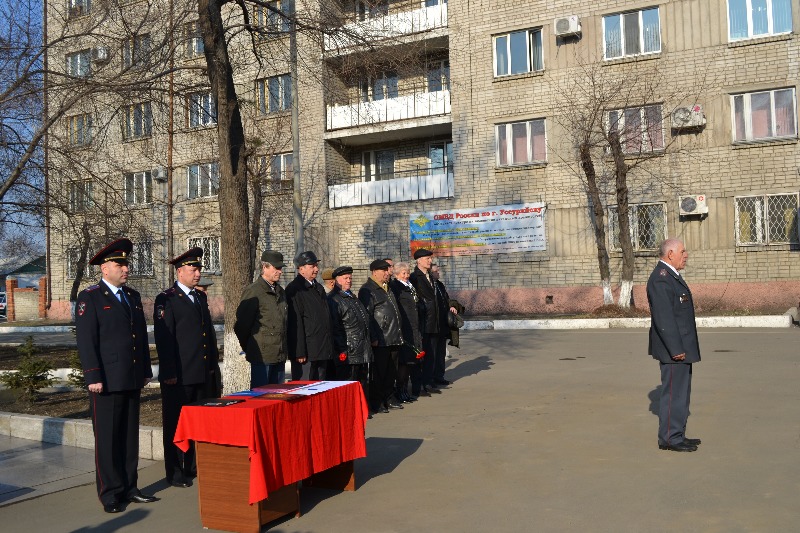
column 92, row 288
column 169, row 292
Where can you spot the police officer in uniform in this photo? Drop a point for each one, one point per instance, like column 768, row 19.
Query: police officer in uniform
column 114, row 353
column 187, row 355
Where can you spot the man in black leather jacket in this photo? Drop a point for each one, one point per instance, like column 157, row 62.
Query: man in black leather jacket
column 386, row 336
column 350, row 325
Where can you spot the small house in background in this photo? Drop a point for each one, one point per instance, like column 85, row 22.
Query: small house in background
column 26, row 270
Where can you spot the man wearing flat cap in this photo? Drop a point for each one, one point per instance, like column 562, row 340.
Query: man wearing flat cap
column 115, row 356
column 350, row 323
column 261, row 323
column 387, row 337
column 188, row 358
column 310, row 338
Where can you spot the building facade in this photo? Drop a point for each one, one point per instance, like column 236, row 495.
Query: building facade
column 428, row 106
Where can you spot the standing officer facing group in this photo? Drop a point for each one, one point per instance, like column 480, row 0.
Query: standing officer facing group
column 673, row 343
column 114, row 353
column 188, row 358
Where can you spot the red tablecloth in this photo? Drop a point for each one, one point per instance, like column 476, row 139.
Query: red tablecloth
column 288, row 440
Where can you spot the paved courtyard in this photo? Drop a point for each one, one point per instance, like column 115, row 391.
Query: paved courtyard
column 541, row 431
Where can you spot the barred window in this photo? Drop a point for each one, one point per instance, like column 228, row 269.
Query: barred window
column 135, row 51
column 140, row 262
column 202, row 109
column 648, row 226
column 138, row 188
column 79, row 130
column 138, row 121
column 203, row 180
column 80, row 196
column 766, row 219
column 210, row 246
column 640, row 129
column 274, row 94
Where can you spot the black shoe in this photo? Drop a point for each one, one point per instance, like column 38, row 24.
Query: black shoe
column 384, row 410
column 692, row 442
column 680, row 447
column 441, row 382
column 180, row 484
column 394, row 405
column 431, row 390
column 112, row 508
column 423, row 392
column 142, row 498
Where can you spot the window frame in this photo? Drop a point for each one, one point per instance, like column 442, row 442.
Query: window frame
column 622, row 46
column 72, row 259
column 142, row 253
column 748, row 116
column 613, row 227
column 765, row 217
column 440, row 67
column 83, row 67
column 370, row 165
column 198, row 110
column 207, row 186
column 508, row 128
column 193, row 39
column 78, row 8
column 272, row 22
column 264, row 94
column 211, row 246
column 528, row 48
column 643, row 124
column 80, row 198
column 132, row 188
column 79, row 130
column 130, row 124
column 136, row 51
column 749, row 14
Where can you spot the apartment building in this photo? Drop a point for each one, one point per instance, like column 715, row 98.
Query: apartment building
column 424, row 119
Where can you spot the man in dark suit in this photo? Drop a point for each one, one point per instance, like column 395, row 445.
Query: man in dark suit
column 114, row 353
column 673, row 342
column 310, row 335
column 188, row 358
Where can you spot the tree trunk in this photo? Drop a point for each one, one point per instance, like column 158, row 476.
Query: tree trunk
column 80, row 266
column 255, row 222
column 598, row 221
column 621, row 174
column 233, row 202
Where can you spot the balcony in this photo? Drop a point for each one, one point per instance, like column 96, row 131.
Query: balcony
column 390, row 26
column 420, row 184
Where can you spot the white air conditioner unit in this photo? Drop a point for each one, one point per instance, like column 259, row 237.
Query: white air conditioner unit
column 159, row 174
column 101, row 54
column 688, row 117
column 694, row 204
column 565, row 26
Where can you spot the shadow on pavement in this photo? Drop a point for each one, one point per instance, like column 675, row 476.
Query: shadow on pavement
column 654, row 395
column 457, row 370
column 124, row 519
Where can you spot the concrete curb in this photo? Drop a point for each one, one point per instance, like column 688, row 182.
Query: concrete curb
column 72, row 432
column 219, row 328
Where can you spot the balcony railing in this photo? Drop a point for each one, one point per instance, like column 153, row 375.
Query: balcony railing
column 389, row 26
column 421, row 184
column 403, row 107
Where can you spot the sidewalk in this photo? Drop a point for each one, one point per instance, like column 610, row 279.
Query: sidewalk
column 544, row 431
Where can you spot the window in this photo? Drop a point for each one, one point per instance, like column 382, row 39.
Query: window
column 202, row 110
column 140, row 262
column 79, row 8
column 136, row 50
column 632, row 33
column 648, row 226
column 757, row 18
column 518, row 52
column 380, row 87
column 210, row 246
column 138, row 188
column 274, row 94
column 194, row 40
column 521, row 143
column 79, row 64
column 203, row 180
column 271, row 21
column 767, row 219
column 80, row 196
column 371, row 9
column 764, row 115
column 377, row 165
column 640, row 129
column 79, row 130
column 73, row 258
column 281, row 169
column 138, row 121
column 438, row 76
column 440, row 155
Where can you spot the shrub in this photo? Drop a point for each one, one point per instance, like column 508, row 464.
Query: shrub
column 32, row 374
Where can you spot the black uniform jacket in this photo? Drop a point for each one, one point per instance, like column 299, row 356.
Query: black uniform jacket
column 384, row 314
column 430, row 318
column 350, row 323
column 112, row 339
column 185, row 337
column 309, row 321
column 410, row 311
column 672, row 325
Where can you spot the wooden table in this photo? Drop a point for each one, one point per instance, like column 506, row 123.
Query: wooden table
column 251, row 455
